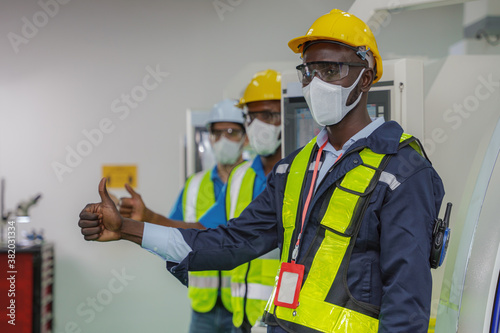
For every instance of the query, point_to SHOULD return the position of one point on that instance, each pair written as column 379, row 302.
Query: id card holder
column 289, row 283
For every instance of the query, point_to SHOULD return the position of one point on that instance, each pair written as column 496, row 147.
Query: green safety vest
column 204, row 286
column 317, row 312
column 251, row 283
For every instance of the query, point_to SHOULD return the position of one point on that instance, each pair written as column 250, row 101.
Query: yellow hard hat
column 344, row 28
column 265, row 86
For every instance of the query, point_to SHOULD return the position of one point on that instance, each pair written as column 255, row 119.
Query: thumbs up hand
column 101, row 221
column 134, row 206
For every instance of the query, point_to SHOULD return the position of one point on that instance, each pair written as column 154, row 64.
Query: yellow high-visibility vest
column 204, row 286
column 340, row 223
column 251, row 283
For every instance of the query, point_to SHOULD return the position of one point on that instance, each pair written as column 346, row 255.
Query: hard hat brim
column 297, row 44
column 243, row 102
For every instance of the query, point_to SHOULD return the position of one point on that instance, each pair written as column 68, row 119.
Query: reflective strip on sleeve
column 281, row 168
column 390, row 180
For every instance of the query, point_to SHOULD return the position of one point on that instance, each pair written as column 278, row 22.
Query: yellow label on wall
column 119, row 175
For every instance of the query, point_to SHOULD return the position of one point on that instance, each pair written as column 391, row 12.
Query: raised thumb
column 103, row 192
column 131, row 191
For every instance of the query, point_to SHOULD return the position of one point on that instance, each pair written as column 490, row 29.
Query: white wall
column 64, row 78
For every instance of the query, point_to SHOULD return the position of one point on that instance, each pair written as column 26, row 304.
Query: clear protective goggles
column 230, row 133
column 327, row 71
column 267, row 116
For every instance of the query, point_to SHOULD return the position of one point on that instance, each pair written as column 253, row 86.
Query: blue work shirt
column 177, row 212
column 216, row 215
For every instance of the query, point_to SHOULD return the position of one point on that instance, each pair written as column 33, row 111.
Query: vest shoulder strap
column 190, row 195
column 410, row 140
column 234, row 184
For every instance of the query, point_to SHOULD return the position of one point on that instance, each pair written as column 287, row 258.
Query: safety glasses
column 327, row 71
column 230, row 133
column 266, row 116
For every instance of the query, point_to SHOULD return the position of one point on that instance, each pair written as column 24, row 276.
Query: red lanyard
column 308, row 200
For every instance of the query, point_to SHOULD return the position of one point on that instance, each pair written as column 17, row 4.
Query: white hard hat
column 226, row 111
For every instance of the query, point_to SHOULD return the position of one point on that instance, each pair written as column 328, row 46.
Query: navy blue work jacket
column 389, row 265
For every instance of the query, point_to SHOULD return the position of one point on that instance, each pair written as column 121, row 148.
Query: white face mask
column 327, row 101
column 264, row 138
column 226, row 151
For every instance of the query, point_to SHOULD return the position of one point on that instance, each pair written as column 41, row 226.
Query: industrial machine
column 462, row 127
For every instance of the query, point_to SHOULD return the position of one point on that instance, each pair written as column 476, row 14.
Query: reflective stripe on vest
column 251, row 283
column 251, row 290
column 203, row 290
column 198, row 196
column 325, row 304
column 237, row 200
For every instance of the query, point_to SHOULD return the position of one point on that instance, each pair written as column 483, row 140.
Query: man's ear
column 367, row 79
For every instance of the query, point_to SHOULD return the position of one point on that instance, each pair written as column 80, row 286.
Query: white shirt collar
column 364, row 133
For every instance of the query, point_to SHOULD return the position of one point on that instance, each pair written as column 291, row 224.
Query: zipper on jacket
column 246, row 294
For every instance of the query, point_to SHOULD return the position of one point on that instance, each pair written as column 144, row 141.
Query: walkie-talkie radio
column 440, row 238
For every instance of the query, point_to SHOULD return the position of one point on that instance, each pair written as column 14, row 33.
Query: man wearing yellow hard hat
column 252, row 282
column 352, row 212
